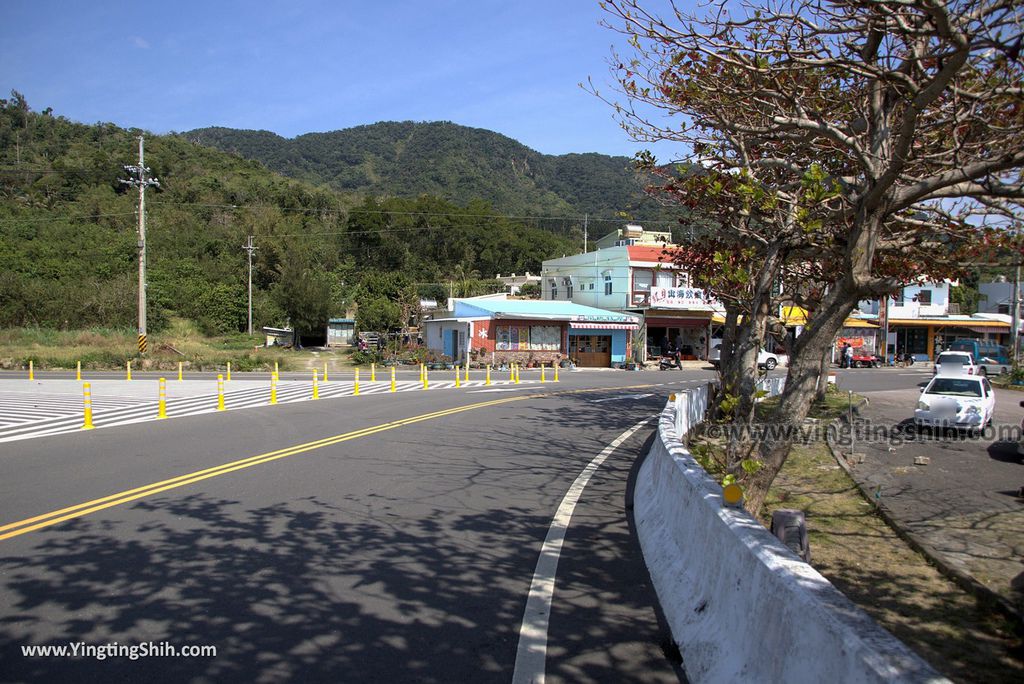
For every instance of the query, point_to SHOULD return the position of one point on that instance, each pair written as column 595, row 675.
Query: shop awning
column 794, row 315
column 601, row 326
column 668, row 322
column 989, row 326
column 849, row 323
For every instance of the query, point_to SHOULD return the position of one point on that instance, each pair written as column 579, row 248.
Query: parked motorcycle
column 670, row 362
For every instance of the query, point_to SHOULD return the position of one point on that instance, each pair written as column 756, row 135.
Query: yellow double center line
column 38, row 522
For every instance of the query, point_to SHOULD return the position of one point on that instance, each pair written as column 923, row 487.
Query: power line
column 356, row 211
column 66, row 218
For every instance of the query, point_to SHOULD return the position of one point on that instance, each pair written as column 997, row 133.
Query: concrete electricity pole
column 250, row 248
column 140, row 181
column 1015, row 316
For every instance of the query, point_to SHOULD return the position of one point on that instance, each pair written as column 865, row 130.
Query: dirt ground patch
column 858, row 552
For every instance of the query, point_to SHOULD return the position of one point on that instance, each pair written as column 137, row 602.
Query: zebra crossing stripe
column 18, row 421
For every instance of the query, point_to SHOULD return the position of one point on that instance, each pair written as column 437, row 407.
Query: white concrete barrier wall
column 741, row 606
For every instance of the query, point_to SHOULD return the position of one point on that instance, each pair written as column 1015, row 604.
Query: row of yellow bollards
column 87, row 423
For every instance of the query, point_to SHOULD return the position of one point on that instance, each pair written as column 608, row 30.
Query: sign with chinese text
column 680, row 298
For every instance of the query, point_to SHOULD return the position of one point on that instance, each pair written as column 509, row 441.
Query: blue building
column 499, row 330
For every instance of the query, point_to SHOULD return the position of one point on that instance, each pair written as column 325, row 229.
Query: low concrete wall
column 741, row 606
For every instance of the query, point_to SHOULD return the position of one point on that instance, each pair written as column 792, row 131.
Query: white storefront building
column 637, row 279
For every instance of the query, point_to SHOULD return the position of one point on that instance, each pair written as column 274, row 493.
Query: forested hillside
column 457, row 163
column 68, row 254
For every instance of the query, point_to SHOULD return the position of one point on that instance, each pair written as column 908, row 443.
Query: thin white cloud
column 140, row 43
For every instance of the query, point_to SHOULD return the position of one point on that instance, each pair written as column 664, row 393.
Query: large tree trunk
column 826, row 363
column 805, row 370
column 743, row 371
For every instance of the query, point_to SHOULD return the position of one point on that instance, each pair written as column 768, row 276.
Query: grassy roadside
column 181, row 342
column 860, row 554
column 863, row 557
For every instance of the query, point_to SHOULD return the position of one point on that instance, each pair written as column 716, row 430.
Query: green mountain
column 456, row 163
column 68, row 240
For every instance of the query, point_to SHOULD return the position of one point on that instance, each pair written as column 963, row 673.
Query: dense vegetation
column 68, row 256
column 457, row 163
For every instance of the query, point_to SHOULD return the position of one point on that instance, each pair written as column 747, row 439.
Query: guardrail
column 742, row 606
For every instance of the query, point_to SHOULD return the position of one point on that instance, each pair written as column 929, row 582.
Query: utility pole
column 250, row 248
column 1015, row 299
column 140, row 181
column 586, row 217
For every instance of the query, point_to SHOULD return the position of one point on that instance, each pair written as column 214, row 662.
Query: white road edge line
column 531, row 654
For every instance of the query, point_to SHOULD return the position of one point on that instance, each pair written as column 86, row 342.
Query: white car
column 1020, row 442
column 957, row 363
column 765, row 359
column 965, row 402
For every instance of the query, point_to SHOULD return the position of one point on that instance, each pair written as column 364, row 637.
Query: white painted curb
column 742, row 606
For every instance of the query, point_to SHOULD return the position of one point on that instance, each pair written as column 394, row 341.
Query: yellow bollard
column 393, row 388
column 355, row 387
column 542, row 378
column 426, row 377
column 325, row 371
column 556, row 372
column 273, row 389
column 276, row 372
column 229, row 372
column 180, row 376
column 467, row 371
column 458, row 376
column 488, row 381
column 220, row 393
column 78, row 371
column 31, row 372
column 373, row 372
column 128, row 376
column 316, row 385
column 162, row 406
column 517, row 373
column 87, row 398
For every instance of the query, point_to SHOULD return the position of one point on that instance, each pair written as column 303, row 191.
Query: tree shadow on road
column 358, row 588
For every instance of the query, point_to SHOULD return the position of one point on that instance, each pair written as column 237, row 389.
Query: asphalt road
column 375, row 538
column 955, row 495
column 388, row 537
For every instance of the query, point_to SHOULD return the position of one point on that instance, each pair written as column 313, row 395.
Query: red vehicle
column 864, row 359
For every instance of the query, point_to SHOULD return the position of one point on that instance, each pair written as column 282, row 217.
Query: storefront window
column 528, row 338
column 912, row 341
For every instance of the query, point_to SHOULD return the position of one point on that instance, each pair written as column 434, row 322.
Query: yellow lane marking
column 38, row 522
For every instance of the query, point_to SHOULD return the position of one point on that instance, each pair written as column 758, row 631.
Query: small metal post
column 87, row 398
column 162, row 406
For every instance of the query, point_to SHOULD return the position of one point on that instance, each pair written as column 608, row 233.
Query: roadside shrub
column 363, row 358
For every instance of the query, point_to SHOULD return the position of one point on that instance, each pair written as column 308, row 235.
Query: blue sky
column 309, row 66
